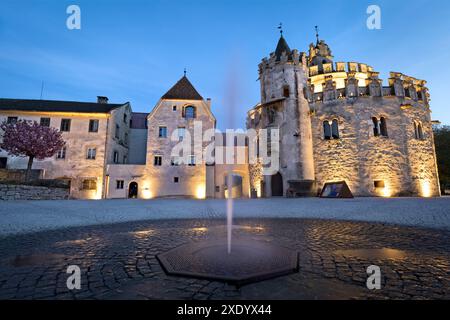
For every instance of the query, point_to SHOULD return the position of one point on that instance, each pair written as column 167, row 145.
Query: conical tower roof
column 282, row 46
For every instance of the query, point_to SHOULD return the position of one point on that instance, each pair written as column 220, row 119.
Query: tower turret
column 283, row 78
column 320, row 53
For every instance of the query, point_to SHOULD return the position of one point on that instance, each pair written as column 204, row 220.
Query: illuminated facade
column 336, row 122
column 339, row 123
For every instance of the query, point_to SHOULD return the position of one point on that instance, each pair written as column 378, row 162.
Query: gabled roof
column 182, row 90
column 57, row 106
column 282, row 46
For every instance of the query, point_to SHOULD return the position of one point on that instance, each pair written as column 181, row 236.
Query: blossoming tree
column 30, row 139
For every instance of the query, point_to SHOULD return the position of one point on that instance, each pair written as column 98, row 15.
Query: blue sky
column 136, row 50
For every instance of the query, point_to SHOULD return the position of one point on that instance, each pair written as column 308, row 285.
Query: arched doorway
column 236, row 186
column 277, row 185
column 133, row 190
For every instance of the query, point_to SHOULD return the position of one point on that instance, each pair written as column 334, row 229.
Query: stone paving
column 118, row 261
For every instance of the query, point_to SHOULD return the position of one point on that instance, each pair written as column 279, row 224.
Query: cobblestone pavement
column 118, row 261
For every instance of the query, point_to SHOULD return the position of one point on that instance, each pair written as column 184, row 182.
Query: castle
column 336, row 122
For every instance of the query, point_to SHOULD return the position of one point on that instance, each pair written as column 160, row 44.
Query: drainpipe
column 105, row 178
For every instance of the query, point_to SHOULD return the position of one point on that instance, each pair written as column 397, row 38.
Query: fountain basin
column 249, row 261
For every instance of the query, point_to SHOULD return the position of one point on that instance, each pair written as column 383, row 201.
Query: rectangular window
column 181, row 133
column 93, row 125
column 116, row 157
column 89, row 184
column 174, row 108
column 12, row 120
column 65, row 125
column 378, row 184
column 3, row 162
column 176, row 179
column 117, row 134
column 162, row 132
column 45, row 122
column 191, row 161
column 125, row 118
column 157, row 161
column 119, row 184
column 91, row 153
column 61, row 154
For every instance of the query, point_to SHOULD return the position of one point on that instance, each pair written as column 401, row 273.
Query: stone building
column 112, row 152
column 338, row 122
column 95, row 134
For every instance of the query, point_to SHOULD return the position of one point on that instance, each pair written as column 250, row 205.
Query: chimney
column 101, row 99
column 208, row 102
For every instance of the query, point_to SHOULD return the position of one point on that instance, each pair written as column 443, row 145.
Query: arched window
column 418, row 130
column 335, row 129
column 376, row 128
column 326, row 130
column 190, row 112
column 383, row 127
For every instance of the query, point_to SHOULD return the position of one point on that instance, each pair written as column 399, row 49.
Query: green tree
column 442, row 142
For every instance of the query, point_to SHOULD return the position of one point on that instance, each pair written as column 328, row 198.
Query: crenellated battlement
column 353, row 80
column 337, row 67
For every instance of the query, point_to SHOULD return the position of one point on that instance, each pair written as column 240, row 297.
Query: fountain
column 238, row 260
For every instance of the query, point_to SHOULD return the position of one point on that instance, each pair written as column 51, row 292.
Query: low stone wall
column 18, row 175
column 23, row 192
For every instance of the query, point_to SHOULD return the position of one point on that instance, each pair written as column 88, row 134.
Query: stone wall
column 23, row 192
column 405, row 164
column 18, row 175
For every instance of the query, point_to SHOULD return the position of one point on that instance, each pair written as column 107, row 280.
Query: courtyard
column 115, row 244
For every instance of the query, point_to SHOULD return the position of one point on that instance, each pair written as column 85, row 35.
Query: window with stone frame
column 12, row 120
column 91, row 153
column 379, row 184
column 157, row 161
column 383, row 127
column 89, row 184
column 45, row 122
column 286, row 91
column 335, row 129
column 162, row 132
column 117, row 132
column 418, row 130
column 189, row 112
column 65, row 125
column 93, row 125
column 116, row 157
column 380, row 127
column 61, row 154
column 326, row 130
column 120, row 184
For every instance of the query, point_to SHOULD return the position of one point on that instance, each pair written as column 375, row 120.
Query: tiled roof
column 56, row 106
column 183, row 89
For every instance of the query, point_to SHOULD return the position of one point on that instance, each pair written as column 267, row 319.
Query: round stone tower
column 283, row 78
